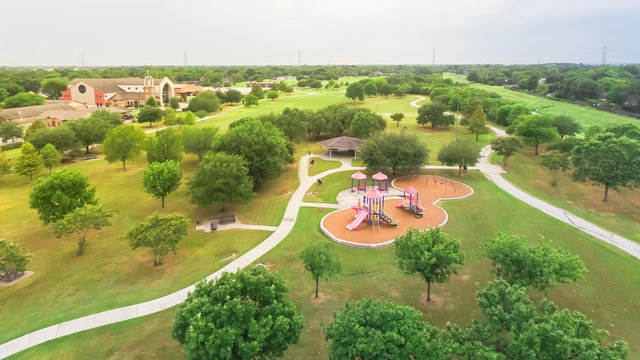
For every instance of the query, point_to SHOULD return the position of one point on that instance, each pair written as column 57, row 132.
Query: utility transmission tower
column 604, row 55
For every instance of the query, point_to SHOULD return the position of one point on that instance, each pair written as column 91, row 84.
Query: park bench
column 11, row 274
column 230, row 219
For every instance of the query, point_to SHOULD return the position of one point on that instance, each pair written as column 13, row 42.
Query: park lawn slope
column 619, row 215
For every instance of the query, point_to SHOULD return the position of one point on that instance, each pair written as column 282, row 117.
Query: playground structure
column 333, row 224
column 372, row 208
column 410, row 202
column 442, row 179
column 359, row 176
column 380, row 177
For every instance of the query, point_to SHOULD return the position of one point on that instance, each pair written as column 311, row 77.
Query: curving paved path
column 149, row 307
column 491, row 171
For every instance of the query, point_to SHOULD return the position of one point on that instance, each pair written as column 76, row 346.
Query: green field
column 609, row 286
column 586, row 116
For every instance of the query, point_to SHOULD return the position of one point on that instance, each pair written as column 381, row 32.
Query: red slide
column 358, row 219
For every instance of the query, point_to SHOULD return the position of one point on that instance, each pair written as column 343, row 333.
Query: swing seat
column 362, row 187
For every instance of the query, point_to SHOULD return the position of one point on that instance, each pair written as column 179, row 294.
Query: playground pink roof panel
column 410, row 190
column 359, row 176
column 379, row 176
column 373, row 194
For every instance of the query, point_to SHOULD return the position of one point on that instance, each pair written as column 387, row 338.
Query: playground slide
column 361, row 215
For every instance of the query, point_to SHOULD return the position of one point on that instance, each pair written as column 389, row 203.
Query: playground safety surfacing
column 431, row 189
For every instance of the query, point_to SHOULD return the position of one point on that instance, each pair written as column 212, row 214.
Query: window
column 82, row 89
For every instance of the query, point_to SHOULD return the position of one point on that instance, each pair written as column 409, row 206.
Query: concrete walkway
column 149, row 307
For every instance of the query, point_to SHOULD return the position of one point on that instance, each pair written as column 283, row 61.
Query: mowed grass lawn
column 585, row 115
column 607, row 294
column 110, row 274
column 621, row 214
column 320, row 165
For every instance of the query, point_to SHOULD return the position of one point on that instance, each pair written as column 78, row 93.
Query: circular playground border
column 389, row 242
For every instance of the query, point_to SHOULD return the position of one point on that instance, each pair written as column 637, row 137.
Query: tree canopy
column 555, row 160
column 461, row 153
column 161, row 233
column 23, row 99
column 198, row 141
column 166, row 145
column 206, row 100
column 260, row 144
column 246, row 315
column 10, row 131
column 397, row 152
column 250, row 100
column 60, row 194
column 11, row 256
column 397, row 117
column 50, row 157
column 62, row 137
column 321, row 260
column 53, row 88
column 221, row 178
column 532, row 264
column 355, row 91
column 82, row 220
column 92, row 130
column 123, row 143
column 506, row 146
column 366, row 123
column 150, row 114
column 29, row 162
column 608, row 160
column 162, row 178
column 372, row 329
column 432, row 254
column 566, row 126
column 434, row 114
column 477, row 123
column 536, row 129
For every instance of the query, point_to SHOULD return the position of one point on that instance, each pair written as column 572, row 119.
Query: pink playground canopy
column 410, row 190
column 359, row 176
column 379, row 176
column 373, row 194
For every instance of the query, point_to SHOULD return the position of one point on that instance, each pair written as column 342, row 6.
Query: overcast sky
column 245, row 32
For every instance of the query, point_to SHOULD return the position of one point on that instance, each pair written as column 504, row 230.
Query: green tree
column 150, row 114
column 188, row 119
column 23, row 99
column 151, row 101
column 198, row 141
column 206, row 100
column 513, row 327
column 565, row 126
column 402, row 90
column 539, row 265
column 434, row 114
column 321, row 260
column 161, row 232
column 293, row 123
column 370, row 89
column 256, row 90
column 478, row 122
column 90, row 131
column 10, row 131
column 397, row 117
column 123, row 143
column 355, row 91
column 364, row 124
column 174, row 103
column 461, row 153
column 221, row 178
column 262, row 145
column 246, row 315
column 372, row 329
column 170, row 118
column 82, row 220
column 608, row 160
column 35, row 126
column 162, row 178
column 536, row 129
column 11, row 256
column 386, row 89
column 53, row 88
column 233, row 96
column 166, row 145
column 432, row 254
column 50, row 156
column 62, row 137
column 272, row 94
column 29, row 162
column 506, row 146
column 250, row 100
column 555, row 160
column 5, row 165
column 112, row 118
column 397, row 152
column 60, row 194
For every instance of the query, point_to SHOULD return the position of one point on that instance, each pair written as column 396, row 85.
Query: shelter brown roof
column 342, row 143
column 36, row 110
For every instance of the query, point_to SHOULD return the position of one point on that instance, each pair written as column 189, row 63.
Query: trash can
column 214, row 226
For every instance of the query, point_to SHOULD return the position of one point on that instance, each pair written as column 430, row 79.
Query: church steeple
column 149, row 87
